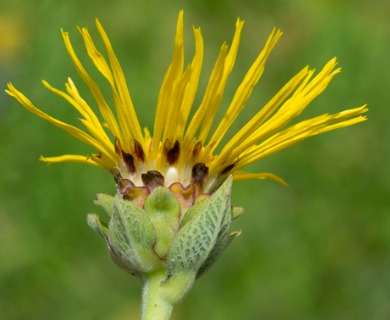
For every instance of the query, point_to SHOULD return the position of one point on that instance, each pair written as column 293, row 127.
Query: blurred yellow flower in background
column 12, row 36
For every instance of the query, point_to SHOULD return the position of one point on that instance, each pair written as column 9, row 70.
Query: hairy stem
column 155, row 306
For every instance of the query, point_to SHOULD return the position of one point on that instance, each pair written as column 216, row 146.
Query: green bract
column 158, row 237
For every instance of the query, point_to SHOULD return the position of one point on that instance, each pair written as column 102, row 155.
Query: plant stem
column 155, row 306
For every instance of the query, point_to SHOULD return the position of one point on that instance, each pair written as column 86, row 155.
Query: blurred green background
column 319, row 249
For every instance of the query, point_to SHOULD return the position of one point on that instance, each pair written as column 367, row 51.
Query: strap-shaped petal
column 105, row 110
column 292, row 107
column 125, row 109
column 91, row 122
column 192, row 86
column 301, row 131
column 245, row 89
column 164, row 108
column 75, row 132
column 241, row 175
column 210, row 100
column 217, row 94
column 240, row 141
column 92, row 160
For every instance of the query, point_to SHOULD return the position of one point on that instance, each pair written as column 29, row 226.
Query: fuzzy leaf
column 208, row 226
column 236, row 212
column 131, row 237
column 96, row 224
column 105, row 201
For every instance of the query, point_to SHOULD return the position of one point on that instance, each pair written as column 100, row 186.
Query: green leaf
column 105, row 201
column 236, row 212
column 219, row 248
column 131, row 237
column 96, row 224
column 203, row 234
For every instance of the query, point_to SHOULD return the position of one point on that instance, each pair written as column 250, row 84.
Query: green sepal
column 216, row 253
column 202, row 234
column 234, row 235
column 236, row 212
column 96, row 224
column 193, row 211
column 163, row 210
column 223, row 240
column 105, row 201
column 131, row 238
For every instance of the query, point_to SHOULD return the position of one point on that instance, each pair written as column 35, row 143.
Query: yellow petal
column 212, row 104
column 241, row 138
column 210, row 100
column 125, row 109
column 94, row 161
column 192, row 86
column 97, row 94
column 241, row 175
column 299, row 132
column 245, row 89
column 77, row 133
column 164, row 108
column 291, row 108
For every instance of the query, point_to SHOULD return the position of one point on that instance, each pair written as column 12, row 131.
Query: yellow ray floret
column 182, row 147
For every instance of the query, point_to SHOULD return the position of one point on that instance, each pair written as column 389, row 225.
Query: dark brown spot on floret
column 199, row 173
column 128, row 159
column 173, row 152
column 124, row 185
column 152, row 179
column 117, row 146
column 196, row 150
column 139, row 152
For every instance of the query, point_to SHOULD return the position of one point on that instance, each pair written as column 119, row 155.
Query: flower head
column 182, row 151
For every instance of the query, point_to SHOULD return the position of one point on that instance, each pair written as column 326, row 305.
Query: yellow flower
column 181, row 153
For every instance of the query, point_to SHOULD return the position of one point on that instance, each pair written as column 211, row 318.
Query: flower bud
column 161, row 236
